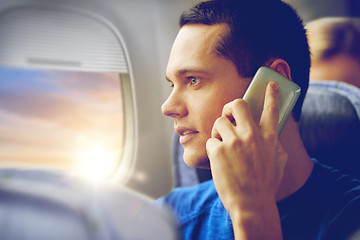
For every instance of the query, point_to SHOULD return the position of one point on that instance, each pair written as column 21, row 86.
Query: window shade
column 59, row 38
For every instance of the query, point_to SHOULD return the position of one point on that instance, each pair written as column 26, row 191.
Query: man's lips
column 186, row 134
column 184, row 131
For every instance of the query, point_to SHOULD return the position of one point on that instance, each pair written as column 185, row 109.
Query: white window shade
column 59, row 38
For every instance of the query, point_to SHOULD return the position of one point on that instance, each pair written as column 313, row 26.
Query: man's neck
column 299, row 165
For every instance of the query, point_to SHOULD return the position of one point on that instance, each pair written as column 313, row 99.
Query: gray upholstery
column 329, row 126
column 47, row 204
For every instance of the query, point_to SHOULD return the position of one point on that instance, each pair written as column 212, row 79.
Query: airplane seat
column 329, row 127
column 49, row 204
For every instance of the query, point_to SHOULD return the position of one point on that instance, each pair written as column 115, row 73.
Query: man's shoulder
column 191, row 202
column 199, row 212
column 342, row 195
column 328, row 204
column 190, row 197
column 335, row 182
column 329, row 187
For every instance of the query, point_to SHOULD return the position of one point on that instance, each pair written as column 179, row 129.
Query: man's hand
column 247, row 163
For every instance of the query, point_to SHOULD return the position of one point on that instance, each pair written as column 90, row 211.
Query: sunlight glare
column 96, row 162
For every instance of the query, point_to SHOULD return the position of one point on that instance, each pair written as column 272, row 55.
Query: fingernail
column 274, row 86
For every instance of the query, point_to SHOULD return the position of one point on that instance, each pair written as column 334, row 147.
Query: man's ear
column 281, row 66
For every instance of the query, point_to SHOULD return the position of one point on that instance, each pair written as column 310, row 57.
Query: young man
column 264, row 186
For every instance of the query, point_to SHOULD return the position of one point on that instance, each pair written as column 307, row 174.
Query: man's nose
column 174, row 106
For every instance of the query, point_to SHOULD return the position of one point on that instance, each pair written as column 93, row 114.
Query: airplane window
column 64, row 119
column 65, row 92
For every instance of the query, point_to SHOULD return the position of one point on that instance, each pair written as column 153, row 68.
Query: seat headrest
column 47, row 204
column 330, row 125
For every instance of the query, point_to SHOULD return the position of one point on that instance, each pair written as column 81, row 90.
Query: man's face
column 203, row 82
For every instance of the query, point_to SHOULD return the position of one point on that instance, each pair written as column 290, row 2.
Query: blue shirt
column 326, row 207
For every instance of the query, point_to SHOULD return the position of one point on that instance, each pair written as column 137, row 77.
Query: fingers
column 211, row 143
column 222, row 127
column 225, row 125
column 238, row 113
column 270, row 115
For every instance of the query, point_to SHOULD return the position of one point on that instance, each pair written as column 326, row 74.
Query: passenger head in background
column 335, row 49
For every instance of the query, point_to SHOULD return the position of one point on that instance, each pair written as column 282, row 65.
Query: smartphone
column 255, row 94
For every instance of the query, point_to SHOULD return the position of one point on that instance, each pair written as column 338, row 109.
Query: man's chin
column 197, row 161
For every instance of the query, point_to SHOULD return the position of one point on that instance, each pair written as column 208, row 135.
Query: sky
column 57, row 118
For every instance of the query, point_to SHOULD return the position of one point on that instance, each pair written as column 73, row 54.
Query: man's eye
column 194, row 80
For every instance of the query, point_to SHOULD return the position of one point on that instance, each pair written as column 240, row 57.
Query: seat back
column 53, row 205
column 329, row 127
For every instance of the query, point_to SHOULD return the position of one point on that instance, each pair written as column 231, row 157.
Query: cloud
column 60, row 109
column 46, row 115
column 102, row 87
column 28, row 141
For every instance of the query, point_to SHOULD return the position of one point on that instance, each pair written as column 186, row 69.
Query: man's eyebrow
column 188, row 71
column 191, row 71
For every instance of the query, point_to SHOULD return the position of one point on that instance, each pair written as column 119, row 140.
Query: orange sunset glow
column 62, row 119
